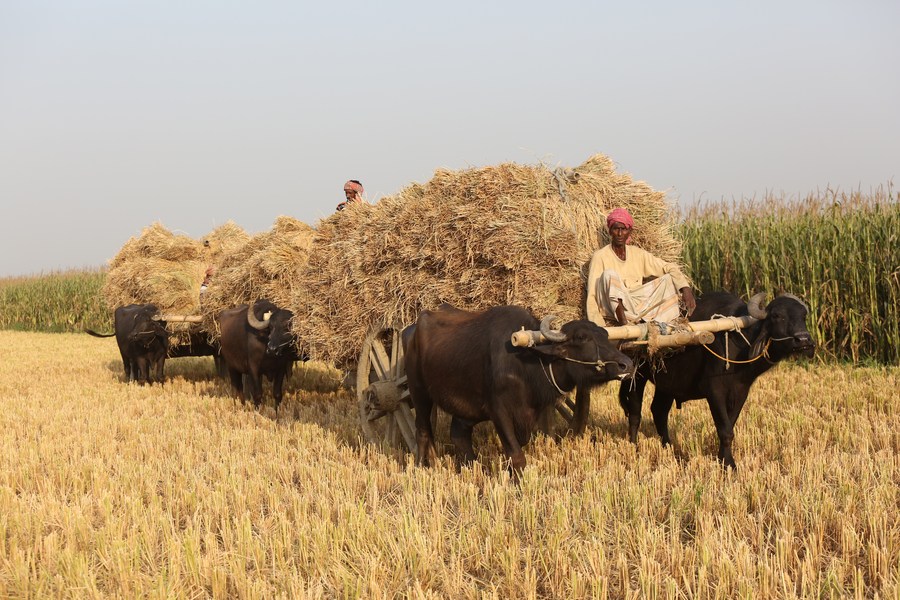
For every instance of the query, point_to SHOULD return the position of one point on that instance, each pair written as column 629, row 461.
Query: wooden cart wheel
column 382, row 394
column 547, row 421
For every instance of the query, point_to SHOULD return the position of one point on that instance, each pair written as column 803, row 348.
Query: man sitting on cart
column 627, row 284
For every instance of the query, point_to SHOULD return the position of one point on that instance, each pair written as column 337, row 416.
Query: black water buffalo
column 257, row 342
column 466, row 364
column 702, row 372
column 143, row 341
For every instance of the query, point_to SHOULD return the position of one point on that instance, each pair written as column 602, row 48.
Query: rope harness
column 551, row 378
column 729, row 361
column 763, row 354
column 598, row 364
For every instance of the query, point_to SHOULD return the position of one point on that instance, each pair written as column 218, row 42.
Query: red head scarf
column 619, row 215
column 352, row 186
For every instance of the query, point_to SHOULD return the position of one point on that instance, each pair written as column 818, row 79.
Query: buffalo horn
column 793, row 297
column 755, row 306
column 553, row 335
column 256, row 323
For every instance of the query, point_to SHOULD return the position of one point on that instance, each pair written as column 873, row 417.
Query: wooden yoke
column 672, row 340
column 643, row 335
column 181, row 318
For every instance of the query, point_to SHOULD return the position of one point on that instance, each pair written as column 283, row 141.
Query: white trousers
column 656, row 300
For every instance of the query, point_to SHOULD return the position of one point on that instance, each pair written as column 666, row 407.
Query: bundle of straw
column 266, row 265
column 157, row 267
column 506, row 234
column 165, row 269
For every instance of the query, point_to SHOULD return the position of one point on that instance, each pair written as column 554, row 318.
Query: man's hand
column 690, row 303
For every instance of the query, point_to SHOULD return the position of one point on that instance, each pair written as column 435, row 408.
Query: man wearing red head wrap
column 353, row 191
column 627, row 284
column 619, row 215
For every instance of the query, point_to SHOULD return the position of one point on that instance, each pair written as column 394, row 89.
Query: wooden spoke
column 385, row 412
column 565, row 412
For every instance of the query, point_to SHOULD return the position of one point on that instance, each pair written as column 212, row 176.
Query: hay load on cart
column 167, row 269
column 506, row 234
column 267, row 265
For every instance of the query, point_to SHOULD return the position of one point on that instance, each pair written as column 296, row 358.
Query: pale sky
column 118, row 114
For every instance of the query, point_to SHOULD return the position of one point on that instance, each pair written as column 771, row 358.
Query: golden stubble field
column 115, row 490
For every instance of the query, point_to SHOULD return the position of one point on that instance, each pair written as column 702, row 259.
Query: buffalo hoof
column 728, row 464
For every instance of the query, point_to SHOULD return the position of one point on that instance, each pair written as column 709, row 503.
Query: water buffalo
column 143, row 341
column 257, row 342
column 724, row 371
column 465, row 363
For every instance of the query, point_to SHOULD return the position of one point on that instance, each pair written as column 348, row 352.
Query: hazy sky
column 117, row 114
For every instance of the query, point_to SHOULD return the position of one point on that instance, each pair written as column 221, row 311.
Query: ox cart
column 385, row 407
column 190, row 339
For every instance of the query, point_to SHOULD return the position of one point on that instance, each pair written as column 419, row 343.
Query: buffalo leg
column 221, row 366
column 278, row 388
column 631, row 398
column 143, row 370
column 130, row 370
column 424, row 405
column 735, row 403
column 660, row 408
column 256, row 383
column 237, row 383
column 461, row 436
column 725, row 430
column 255, row 380
column 582, row 410
column 160, row 370
column 546, row 421
column 506, row 429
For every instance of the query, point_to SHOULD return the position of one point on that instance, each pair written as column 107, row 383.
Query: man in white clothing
column 627, row 284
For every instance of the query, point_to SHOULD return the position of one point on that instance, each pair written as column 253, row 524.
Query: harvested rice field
column 110, row 489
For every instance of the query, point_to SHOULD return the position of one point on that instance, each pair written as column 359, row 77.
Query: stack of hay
column 508, row 234
column 265, row 266
column 222, row 242
column 165, row 269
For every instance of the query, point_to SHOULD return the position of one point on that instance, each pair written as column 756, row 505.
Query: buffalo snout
column 619, row 367
column 804, row 344
column 276, row 349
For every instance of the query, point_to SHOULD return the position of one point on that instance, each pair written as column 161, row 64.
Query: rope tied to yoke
column 729, row 362
column 764, row 353
column 552, row 378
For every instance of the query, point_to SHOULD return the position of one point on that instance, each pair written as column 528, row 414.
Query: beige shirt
column 637, row 265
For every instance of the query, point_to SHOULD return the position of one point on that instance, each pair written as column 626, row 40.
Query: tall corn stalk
column 838, row 251
column 61, row 301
